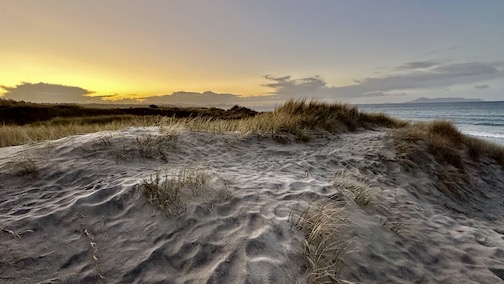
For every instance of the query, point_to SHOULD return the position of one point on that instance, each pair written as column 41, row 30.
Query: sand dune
column 72, row 211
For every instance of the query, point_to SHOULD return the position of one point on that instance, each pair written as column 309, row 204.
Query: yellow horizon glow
column 103, row 80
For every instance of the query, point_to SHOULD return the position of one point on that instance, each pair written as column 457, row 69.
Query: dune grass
column 453, row 152
column 26, row 167
column 447, row 143
column 297, row 117
column 150, row 146
column 166, row 192
column 323, row 225
column 12, row 135
column 358, row 191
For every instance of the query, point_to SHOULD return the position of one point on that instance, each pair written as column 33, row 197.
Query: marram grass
column 297, row 117
column 300, row 118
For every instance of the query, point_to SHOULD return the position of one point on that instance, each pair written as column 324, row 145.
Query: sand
column 71, row 211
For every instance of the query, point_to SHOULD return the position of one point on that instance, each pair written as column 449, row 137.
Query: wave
column 489, row 123
column 484, row 134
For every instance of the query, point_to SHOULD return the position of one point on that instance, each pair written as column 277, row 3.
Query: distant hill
column 424, row 100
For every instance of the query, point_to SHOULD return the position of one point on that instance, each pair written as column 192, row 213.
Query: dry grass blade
column 451, row 150
column 27, row 167
column 166, row 192
column 323, row 225
column 359, row 191
column 10, row 232
column 94, row 252
column 297, row 117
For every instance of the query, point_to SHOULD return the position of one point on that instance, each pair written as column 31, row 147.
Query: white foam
column 484, row 134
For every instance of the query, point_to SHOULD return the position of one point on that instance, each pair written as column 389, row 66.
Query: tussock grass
column 27, row 167
column 451, row 182
column 478, row 148
column 323, row 225
column 297, row 117
column 11, row 135
column 452, row 152
column 447, row 143
column 166, row 193
column 395, row 226
column 150, row 146
column 334, row 117
column 358, row 191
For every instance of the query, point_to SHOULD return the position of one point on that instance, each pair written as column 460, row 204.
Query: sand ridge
column 81, row 217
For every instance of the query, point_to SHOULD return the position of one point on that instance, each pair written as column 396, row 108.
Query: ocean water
column 480, row 119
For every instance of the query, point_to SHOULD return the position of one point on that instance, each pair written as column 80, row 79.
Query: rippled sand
column 71, row 211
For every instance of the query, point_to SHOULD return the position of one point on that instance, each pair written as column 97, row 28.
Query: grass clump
column 11, row 135
column 323, row 225
column 296, row 117
column 167, row 193
column 300, row 118
column 334, row 117
column 451, row 150
column 150, row 146
column 28, row 167
column 359, row 192
column 447, row 143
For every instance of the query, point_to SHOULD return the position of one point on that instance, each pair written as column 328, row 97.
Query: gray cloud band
column 421, row 75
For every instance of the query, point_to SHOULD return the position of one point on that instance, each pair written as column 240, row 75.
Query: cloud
column 437, row 51
column 418, row 65
column 423, row 75
column 293, row 88
column 47, row 93
column 481, row 86
column 193, row 98
column 316, row 87
column 207, row 98
column 407, row 78
column 55, row 93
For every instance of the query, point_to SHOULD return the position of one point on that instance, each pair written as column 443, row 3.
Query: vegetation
column 360, row 192
column 35, row 122
column 166, row 193
column 21, row 113
column 323, row 225
column 452, row 152
column 26, row 122
column 446, row 143
column 438, row 144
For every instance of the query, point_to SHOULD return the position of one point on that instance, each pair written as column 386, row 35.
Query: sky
column 252, row 53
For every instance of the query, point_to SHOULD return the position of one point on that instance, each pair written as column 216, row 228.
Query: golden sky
column 342, row 50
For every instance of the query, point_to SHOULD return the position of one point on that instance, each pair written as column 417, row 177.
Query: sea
column 484, row 120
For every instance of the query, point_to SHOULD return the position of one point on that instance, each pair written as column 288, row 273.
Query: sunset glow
column 348, row 51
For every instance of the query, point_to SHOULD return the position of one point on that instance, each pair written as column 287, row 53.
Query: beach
column 483, row 119
column 73, row 211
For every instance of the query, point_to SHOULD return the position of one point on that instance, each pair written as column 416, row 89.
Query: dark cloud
column 203, row 99
column 316, row 87
column 54, row 93
column 408, row 77
column 418, row 65
column 48, row 93
column 437, row 51
column 193, row 98
column 428, row 75
column 481, row 87
column 294, row 88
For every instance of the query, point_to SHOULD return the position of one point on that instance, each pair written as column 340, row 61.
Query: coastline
column 483, row 119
